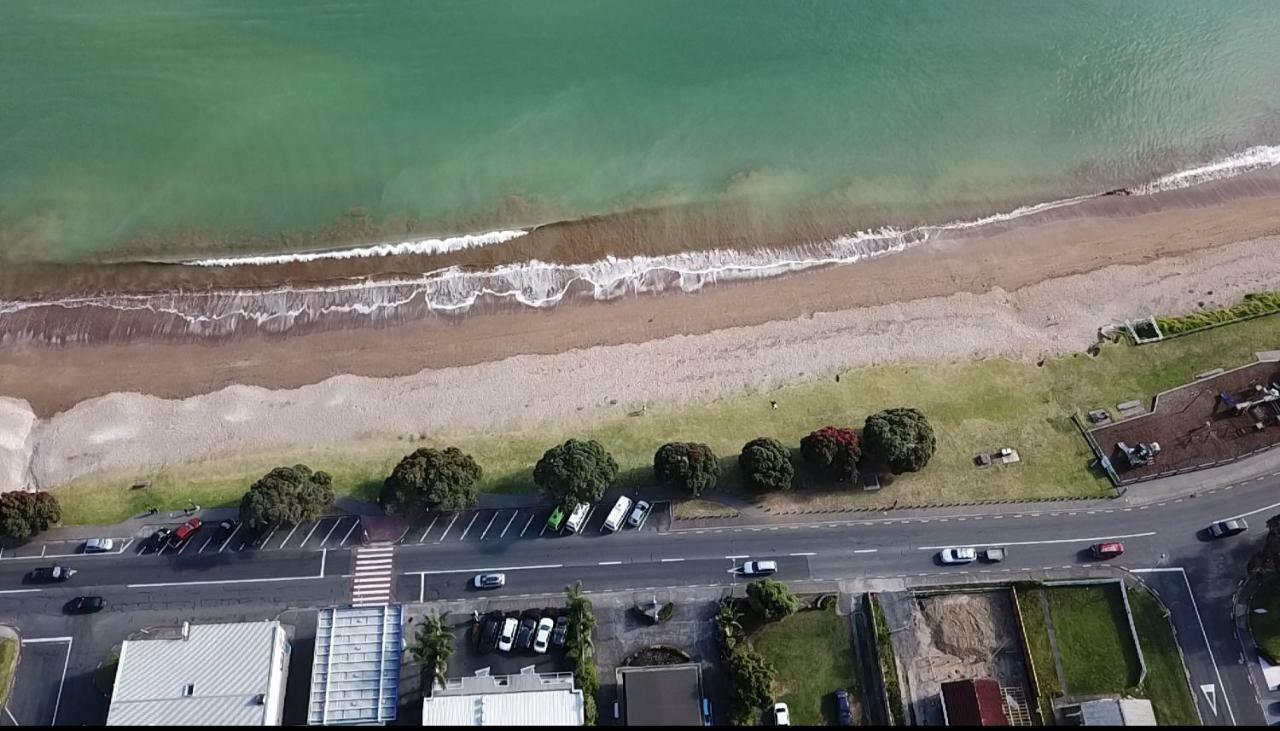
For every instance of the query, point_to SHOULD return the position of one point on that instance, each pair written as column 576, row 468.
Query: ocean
column 704, row 140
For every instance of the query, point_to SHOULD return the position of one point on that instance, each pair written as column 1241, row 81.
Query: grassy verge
column 812, row 652
column 1097, row 649
column 688, row 509
column 1032, row 602
column 974, row 406
column 1166, row 683
column 1266, row 627
column 8, row 662
column 888, row 663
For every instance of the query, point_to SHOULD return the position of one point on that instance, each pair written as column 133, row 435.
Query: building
column 662, row 695
column 1110, row 712
column 527, row 699
column 976, row 702
column 205, row 675
column 355, row 671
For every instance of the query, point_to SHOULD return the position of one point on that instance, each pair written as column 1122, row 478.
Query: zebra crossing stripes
column 373, row 575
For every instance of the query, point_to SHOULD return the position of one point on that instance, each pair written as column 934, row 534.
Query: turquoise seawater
column 128, row 119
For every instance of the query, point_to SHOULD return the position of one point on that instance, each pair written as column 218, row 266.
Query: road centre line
column 481, row 571
column 802, row 553
column 732, row 558
column 219, row 582
column 1041, row 543
column 20, row 591
column 865, row 550
column 671, row 560
column 1254, row 512
column 38, row 640
column 608, row 563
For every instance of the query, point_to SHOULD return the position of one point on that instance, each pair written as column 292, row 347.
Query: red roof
column 974, row 703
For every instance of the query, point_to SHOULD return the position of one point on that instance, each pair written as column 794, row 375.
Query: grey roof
column 527, row 699
column 355, row 673
column 666, row 695
column 227, row 666
column 1117, row 712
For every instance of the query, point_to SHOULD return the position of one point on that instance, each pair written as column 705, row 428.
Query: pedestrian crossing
column 373, row 575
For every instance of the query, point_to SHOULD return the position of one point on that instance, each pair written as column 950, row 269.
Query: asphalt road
column 1164, row 543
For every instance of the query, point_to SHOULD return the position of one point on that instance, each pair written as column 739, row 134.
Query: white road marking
column 20, row 591
column 349, row 532
column 466, row 530
column 671, row 560
column 1043, row 543
column 308, row 536
column 218, row 582
column 487, row 527
column 286, row 538
column 528, row 523
column 332, row 528
column 10, row 715
column 185, row 545
column 448, row 528
column 865, row 550
column 803, row 553
column 429, row 527
column 1263, row 509
column 509, row 522
column 608, row 563
column 731, row 558
column 1205, row 635
column 486, row 570
column 422, row 588
column 206, row 545
column 267, row 540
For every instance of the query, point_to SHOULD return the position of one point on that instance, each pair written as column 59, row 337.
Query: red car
column 185, row 531
column 1107, row 550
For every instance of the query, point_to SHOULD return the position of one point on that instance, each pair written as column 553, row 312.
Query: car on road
column 99, row 545
column 542, row 637
column 843, row 711
column 524, row 636
column 490, row 581
column 781, row 714
column 561, row 631
column 86, row 605
column 993, row 555
column 490, row 630
column 957, row 555
column 639, row 513
column 184, row 532
column 50, row 574
column 1110, row 549
column 1224, row 528
column 507, row 639
column 759, row 568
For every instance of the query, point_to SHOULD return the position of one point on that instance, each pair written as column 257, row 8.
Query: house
column 205, row 675
column 662, row 695
column 527, row 699
column 976, row 702
column 355, row 670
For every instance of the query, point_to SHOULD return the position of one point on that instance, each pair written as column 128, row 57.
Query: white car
column 542, row 638
column 781, row 715
column 490, row 581
column 638, row 514
column 957, row 555
column 99, row 545
column 759, row 568
column 508, row 637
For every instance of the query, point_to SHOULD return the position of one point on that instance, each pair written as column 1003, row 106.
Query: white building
column 527, row 699
column 355, row 671
column 209, row 675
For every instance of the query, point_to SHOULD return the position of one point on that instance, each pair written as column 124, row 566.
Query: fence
column 1128, row 613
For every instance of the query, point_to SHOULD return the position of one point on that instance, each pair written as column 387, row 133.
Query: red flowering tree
column 833, row 452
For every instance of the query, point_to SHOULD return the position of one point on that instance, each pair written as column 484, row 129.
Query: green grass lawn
column 8, row 661
column 974, row 406
column 1266, row 627
column 888, row 662
column 1032, row 602
column 812, row 652
column 1166, row 683
column 1093, row 636
column 704, row 509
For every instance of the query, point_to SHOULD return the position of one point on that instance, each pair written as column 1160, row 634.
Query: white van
column 618, row 514
column 574, row 523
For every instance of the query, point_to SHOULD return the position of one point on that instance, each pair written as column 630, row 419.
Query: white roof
column 355, row 672
column 226, row 666
column 528, row 699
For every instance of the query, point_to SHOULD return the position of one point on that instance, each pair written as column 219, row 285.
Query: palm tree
column 582, row 620
column 431, row 648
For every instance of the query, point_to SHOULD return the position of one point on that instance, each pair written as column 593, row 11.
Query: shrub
column 575, row 472
column 431, row 479
column 750, row 683
column 1267, row 559
column 287, row 496
column 833, row 452
column 689, row 466
column 899, row 440
column 1253, row 305
column 24, row 514
column 766, row 465
column 771, row 600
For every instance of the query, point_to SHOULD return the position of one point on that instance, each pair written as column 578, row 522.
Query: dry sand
column 134, row 432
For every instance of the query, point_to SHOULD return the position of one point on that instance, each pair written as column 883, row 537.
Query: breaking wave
column 425, row 246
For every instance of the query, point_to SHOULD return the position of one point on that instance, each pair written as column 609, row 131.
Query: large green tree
column 575, row 472
column 771, row 600
column 750, row 683
column 689, row 466
column 1267, row 560
column 766, row 465
column 24, row 514
column 898, row 440
column 287, row 496
column 432, row 647
column 833, row 452
column 431, row 479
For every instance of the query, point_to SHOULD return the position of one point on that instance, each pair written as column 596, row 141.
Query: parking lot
column 467, row 658
column 514, row 524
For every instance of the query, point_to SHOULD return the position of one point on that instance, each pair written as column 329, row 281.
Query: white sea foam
column 425, row 246
column 1254, row 158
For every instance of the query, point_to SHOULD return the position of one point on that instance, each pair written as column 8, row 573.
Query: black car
column 842, row 708
column 561, row 632
column 490, row 629
column 524, row 636
column 159, row 538
column 228, row 526
column 49, row 575
column 86, row 605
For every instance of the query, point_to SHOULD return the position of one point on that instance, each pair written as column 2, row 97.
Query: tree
column 899, row 440
column 771, row 600
column 1267, row 559
column 287, row 496
column 833, row 452
column 580, row 647
column 432, row 647
column 750, row 683
column 575, row 472
column 431, row 479
column 24, row 514
column 729, row 621
column 689, row 466
column 766, row 465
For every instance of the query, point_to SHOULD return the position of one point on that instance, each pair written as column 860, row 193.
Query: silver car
column 99, row 545
column 957, row 555
column 1224, row 528
column 490, row 581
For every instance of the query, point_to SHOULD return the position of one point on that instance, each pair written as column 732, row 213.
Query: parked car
column 1110, row 549
column 707, row 720
column 524, row 636
column 184, row 532
column 639, row 513
column 1224, row 528
column 577, row 517
column 781, row 714
column 843, row 711
column 159, row 538
column 227, row 527
column 507, row 639
column 86, row 605
column 561, row 632
column 556, row 520
column 957, row 555
column 542, row 637
column 99, row 545
column 490, row 581
column 617, row 514
column 490, row 631
column 50, row 574
column 759, row 568
column 993, row 555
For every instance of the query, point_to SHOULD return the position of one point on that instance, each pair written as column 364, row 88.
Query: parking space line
column 487, row 527
column 529, row 523
column 267, row 540
column 185, row 544
column 509, row 522
column 206, row 545
column 308, row 536
column 544, row 530
column 434, row 518
column 332, row 528
column 468, row 528
column 349, row 532
column 286, row 538
column 447, row 528
column 163, row 548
